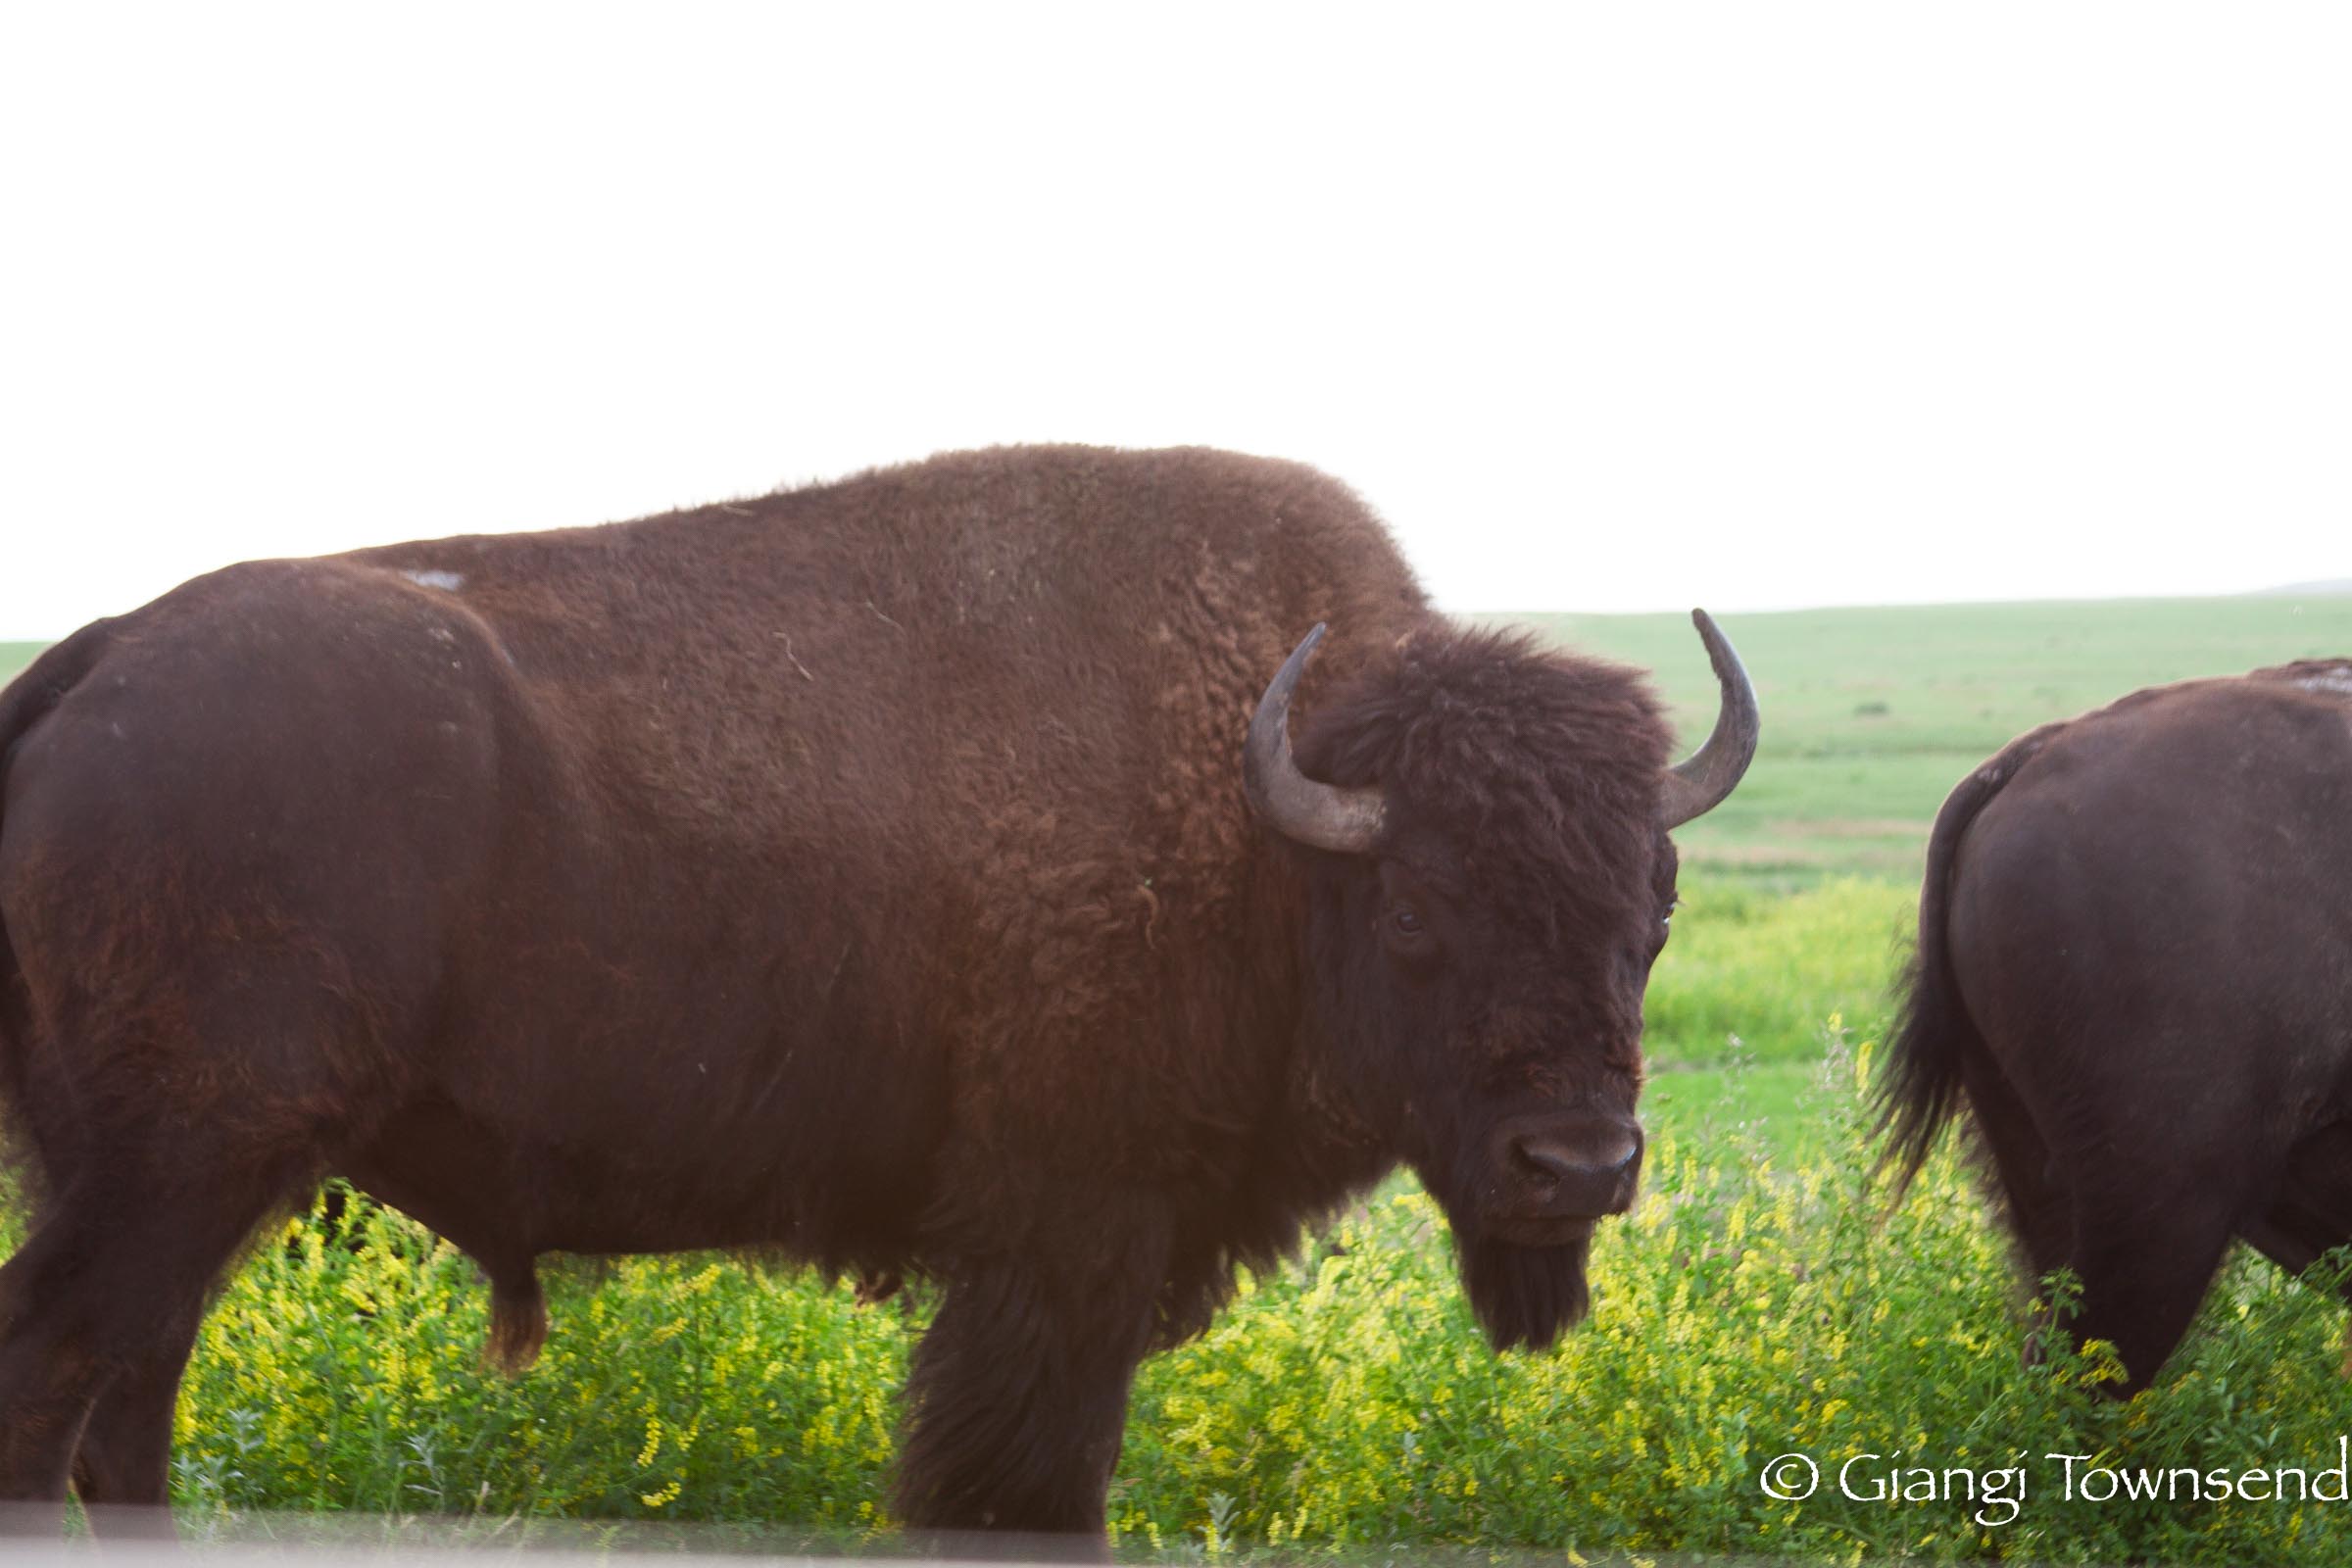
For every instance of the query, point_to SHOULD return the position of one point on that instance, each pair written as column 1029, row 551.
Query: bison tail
column 1918, row 1090
column 23, row 703
column 38, row 688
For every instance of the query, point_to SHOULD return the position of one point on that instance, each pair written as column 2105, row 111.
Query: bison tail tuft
column 1918, row 1090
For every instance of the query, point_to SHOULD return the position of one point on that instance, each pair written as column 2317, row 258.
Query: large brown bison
column 2135, row 971
column 889, row 873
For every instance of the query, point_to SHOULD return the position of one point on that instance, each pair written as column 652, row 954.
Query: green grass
column 1767, row 970
column 1738, row 1002
column 1872, row 716
column 1767, row 1104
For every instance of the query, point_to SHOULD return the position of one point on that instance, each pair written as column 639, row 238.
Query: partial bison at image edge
column 908, row 874
column 2135, row 977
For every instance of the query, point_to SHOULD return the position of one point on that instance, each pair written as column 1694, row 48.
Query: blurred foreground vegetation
column 1345, row 1403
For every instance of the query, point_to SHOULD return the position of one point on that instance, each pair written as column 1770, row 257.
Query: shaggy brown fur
column 860, row 871
column 2134, row 972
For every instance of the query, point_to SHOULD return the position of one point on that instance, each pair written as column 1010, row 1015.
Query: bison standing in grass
column 2136, row 973
column 890, row 873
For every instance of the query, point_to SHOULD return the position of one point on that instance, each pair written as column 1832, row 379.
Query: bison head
column 1489, row 882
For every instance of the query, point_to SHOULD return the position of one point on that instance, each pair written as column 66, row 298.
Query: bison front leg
column 1018, row 1395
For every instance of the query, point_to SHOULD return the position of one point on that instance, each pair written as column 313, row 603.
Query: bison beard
column 865, row 873
column 1525, row 1298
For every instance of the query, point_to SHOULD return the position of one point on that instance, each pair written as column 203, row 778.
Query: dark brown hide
column 2134, row 972
column 859, row 872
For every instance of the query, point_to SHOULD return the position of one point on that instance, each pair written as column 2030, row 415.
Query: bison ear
column 1699, row 784
column 1347, row 821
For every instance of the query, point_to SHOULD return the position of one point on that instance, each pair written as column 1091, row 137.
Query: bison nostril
column 1555, row 1160
column 1547, row 1159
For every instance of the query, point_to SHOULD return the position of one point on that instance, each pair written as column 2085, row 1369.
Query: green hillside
column 1872, row 716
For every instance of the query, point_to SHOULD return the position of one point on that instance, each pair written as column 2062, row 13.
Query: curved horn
column 1699, row 784
column 1293, row 804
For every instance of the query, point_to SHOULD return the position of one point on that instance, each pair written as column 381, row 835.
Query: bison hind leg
column 122, row 1470
column 2014, row 1165
column 2144, row 1237
column 2312, row 1215
column 99, row 1309
column 2146, row 1268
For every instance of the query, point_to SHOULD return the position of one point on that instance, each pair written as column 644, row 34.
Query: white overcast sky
column 1604, row 307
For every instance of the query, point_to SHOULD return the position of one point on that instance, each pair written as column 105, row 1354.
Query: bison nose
column 1584, row 1165
column 1553, row 1159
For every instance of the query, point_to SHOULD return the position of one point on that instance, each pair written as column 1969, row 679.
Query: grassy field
column 1871, row 716
column 1759, row 1302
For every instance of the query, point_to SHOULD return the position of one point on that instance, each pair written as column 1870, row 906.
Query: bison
column 2134, row 971
column 911, row 874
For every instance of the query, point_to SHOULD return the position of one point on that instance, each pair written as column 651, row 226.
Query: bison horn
column 1293, row 804
column 1699, row 784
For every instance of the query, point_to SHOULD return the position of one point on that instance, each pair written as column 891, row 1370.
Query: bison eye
column 1407, row 923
